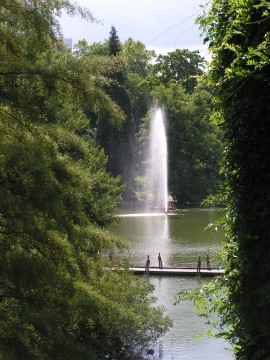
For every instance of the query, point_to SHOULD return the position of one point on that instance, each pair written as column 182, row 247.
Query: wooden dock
column 175, row 271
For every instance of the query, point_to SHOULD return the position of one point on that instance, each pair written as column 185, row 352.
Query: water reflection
column 180, row 238
column 180, row 341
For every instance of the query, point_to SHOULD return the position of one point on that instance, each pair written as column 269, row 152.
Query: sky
column 162, row 25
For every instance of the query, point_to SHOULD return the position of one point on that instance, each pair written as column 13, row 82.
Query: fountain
column 157, row 186
column 154, row 234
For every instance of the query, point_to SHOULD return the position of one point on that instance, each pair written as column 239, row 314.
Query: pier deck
column 176, row 271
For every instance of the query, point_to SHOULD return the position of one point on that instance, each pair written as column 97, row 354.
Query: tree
column 138, row 64
column 81, row 48
column 117, row 139
column 58, row 300
column 114, row 42
column 92, row 50
column 138, row 58
column 118, row 143
column 194, row 143
column 239, row 33
column 182, row 66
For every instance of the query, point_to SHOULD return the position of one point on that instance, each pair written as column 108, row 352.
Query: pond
column 180, row 238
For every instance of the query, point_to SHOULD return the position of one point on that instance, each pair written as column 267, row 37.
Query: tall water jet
column 158, row 162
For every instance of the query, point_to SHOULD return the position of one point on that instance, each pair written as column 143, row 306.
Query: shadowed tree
column 239, row 36
column 58, row 300
column 118, row 143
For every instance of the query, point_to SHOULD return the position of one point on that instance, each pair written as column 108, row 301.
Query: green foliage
column 181, row 66
column 94, row 49
column 114, row 42
column 116, row 138
column 218, row 199
column 238, row 32
column 194, row 143
column 83, row 48
column 118, row 143
column 137, row 57
column 59, row 296
column 138, row 65
column 193, row 138
column 210, row 301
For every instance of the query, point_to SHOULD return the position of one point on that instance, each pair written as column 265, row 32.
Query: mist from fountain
column 158, row 162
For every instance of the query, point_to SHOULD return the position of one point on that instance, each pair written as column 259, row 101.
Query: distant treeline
column 138, row 81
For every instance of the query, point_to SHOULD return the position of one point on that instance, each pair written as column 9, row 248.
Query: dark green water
column 180, row 238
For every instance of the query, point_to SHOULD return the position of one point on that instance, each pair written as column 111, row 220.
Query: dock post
column 198, row 274
column 146, row 271
column 160, row 261
column 208, row 262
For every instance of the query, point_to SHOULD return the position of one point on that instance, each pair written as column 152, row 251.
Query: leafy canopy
column 238, row 32
column 58, row 300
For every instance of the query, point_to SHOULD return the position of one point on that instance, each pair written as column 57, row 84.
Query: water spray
column 158, row 161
